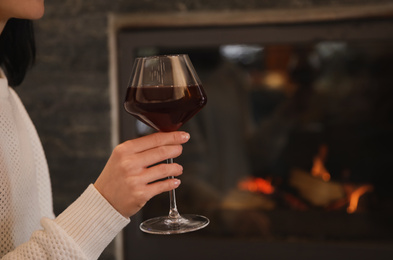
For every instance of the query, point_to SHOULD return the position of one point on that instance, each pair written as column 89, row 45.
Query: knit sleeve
column 82, row 231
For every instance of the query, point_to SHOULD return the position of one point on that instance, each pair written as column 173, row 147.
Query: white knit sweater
column 28, row 228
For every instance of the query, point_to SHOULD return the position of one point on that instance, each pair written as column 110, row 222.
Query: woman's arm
column 89, row 224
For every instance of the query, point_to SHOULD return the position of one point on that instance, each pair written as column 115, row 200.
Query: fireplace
column 291, row 156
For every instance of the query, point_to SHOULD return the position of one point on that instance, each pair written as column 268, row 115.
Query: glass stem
column 173, row 212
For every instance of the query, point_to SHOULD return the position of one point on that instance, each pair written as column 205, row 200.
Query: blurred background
column 67, row 94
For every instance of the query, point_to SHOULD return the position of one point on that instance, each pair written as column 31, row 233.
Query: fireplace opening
column 293, row 150
column 295, row 142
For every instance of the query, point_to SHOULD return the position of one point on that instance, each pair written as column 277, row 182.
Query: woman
column 28, row 227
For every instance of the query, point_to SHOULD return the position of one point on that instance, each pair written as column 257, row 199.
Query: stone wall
column 67, row 94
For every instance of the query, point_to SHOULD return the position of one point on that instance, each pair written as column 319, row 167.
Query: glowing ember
column 256, row 185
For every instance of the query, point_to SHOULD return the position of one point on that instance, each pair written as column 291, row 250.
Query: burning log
column 246, row 200
column 315, row 190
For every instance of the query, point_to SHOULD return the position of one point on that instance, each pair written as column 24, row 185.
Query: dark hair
column 17, row 49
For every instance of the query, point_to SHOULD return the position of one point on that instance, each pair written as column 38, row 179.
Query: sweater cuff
column 92, row 222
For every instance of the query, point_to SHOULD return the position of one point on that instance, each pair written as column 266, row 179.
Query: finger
column 161, row 171
column 162, row 186
column 156, row 155
column 155, row 140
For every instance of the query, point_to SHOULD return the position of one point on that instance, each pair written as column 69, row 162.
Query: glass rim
column 162, row 56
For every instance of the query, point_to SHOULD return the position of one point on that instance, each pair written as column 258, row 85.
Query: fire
column 256, row 185
column 334, row 196
column 355, row 195
column 318, row 169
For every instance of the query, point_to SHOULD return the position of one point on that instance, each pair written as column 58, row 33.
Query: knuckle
column 164, row 168
column 178, row 151
column 162, row 187
column 175, row 137
column 161, row 138
column 157, row 138
column 143, row 197
column 163, row 151
column 119, row 150
column 123, row 166
column 167, row 170
column 169, row 186
column 170, row 151
column 139, row 196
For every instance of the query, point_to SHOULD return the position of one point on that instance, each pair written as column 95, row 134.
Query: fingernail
column 176, row 182
column 186, row 136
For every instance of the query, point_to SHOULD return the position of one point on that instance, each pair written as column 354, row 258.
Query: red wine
column 165, row 108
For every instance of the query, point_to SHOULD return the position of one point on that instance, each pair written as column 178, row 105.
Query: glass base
column 166, row 225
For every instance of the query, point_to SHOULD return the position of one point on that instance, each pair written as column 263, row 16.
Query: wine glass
column 164, row 92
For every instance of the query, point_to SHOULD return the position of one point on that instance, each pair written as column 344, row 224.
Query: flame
column 256, row 185
column 318, row 169
column 355, row 195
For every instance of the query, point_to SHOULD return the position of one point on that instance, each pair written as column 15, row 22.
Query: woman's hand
column 126, row 181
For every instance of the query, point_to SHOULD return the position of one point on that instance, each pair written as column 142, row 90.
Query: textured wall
column 67, row 93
